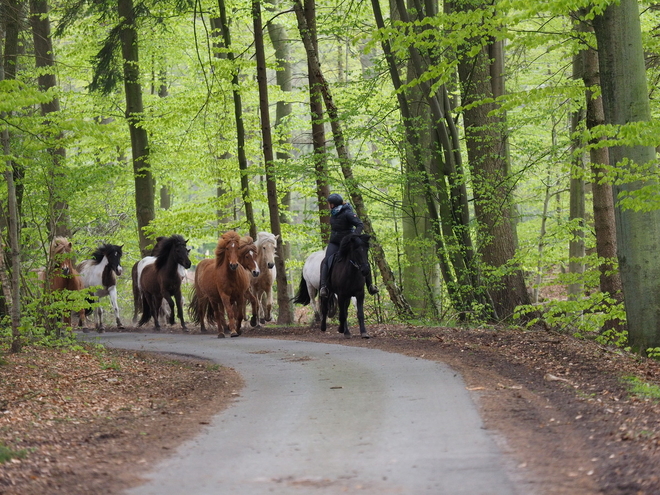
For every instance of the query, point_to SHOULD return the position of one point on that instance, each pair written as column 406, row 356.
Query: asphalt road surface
column 326, row 419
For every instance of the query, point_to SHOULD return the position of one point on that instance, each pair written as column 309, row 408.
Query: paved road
column 327, row 419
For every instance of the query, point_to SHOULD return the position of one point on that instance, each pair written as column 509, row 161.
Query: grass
column 7, row 454
column 642, row 389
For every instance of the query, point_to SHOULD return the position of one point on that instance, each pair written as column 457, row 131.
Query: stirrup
column 373, row 290
column 323, row 292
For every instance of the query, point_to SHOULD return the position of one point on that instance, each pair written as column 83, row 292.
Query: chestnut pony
column 63, row 276
column 222, row 284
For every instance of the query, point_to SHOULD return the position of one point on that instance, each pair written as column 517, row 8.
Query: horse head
column 247, row 255
column 60, row 249
column 112, row 253
column 172, row 246
column 266, row 248
column 355, row 247
column 227, row 249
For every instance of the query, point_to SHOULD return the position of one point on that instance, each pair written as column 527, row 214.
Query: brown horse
column 64, row 277
column 222, row 284
column 161, row 280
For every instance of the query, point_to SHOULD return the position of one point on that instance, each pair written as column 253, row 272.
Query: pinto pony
column 63, row 275
column 346, row 279
column 161, row 279
column 222, row 284
column 101, row 272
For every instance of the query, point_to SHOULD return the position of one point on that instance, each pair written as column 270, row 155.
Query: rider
column 343, row 221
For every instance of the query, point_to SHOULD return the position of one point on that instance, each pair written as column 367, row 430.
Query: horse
column 161, row 279
column 137, row 297
column 222, row 284
column 346, row 279
column 310, row 284
column 262, row 286
column 102, row 271
column 64, row 277
column 136, row 272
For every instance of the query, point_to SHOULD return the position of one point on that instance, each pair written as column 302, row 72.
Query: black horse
column 346, row 279
column 161, row 280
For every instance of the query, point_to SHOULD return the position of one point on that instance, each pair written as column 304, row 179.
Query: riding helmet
column 335, row 199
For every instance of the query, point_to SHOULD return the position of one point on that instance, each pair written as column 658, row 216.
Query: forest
column 502, row 155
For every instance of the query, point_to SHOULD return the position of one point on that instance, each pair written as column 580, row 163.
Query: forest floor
column 573, row 416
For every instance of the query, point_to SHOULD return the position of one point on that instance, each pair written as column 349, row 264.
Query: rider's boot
column 370, row 285
column 323, row 291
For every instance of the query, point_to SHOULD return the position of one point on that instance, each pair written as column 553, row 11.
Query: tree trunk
column 144, row 184
column 318, row 127
column 603, row 200
column 402, row 306
column 59, row 222
column 576, row 249
column 486, row 140
column 625, row 99
column 285, row 309
column 284, row 75
column 12, row 9
column 240, row 127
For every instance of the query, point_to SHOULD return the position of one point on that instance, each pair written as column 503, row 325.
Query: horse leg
column 254, row 303
column 343, row 317
column 155, row 303
column 220, row 321
column 98, row 312
column 178, row 298
column 112, row 292
column 269, row 305
column 360, row 316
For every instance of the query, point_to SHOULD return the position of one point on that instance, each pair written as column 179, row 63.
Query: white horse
column 262, row 286
column 311, row 283
column 102, row 271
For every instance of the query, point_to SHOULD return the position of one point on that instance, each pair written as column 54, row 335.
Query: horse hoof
column 253, row 321
column 347, row 335
column 120, row 326
column 365, row 336
column 85, row 330
column 262, row 321
column 100, row 330
column 221, row 335
column 235, row 334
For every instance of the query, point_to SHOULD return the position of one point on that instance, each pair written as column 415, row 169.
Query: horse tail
column 302, row 296
column 193, row 308
column 146, row 312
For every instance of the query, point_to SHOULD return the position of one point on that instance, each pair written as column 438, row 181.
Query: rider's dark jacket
column 344, row 221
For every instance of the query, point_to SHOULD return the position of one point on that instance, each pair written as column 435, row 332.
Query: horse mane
column 264, row 237
column 246, row 241
column 60, row 245
column 102, row 251
column 165, row 246
column 221, row 248
column 345, row 245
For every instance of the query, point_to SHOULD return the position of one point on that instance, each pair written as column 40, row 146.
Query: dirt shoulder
column 91, row 421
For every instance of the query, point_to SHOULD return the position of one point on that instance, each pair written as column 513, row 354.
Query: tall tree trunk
column 318, row 127
column 625, row 100
column 486, row 140
column 279, row 39
column 603, row 199
column 576, row 249
column 12, row 13
column 59, row 222
column 144, row 184
column 285, row 312
column 240, row 127
column 402, row 306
